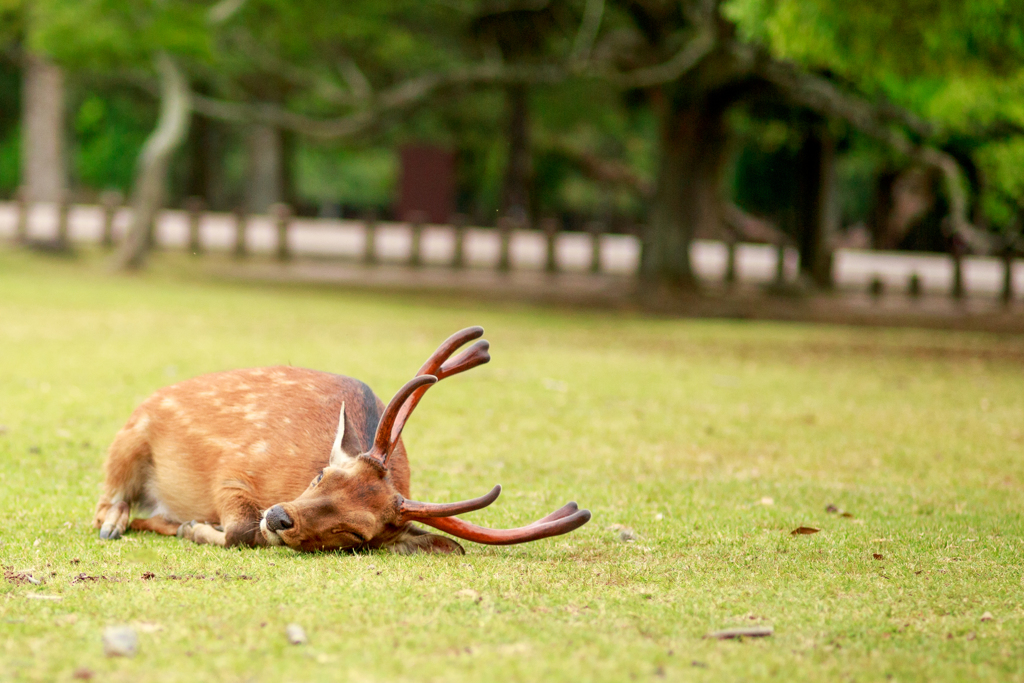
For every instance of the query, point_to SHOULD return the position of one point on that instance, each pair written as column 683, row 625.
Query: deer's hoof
column 185, row 530
column 109, row 532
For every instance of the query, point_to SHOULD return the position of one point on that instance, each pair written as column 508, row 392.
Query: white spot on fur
column 272, row 537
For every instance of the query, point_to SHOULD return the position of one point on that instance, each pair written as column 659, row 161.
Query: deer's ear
column 418, row 541
column 342, row 452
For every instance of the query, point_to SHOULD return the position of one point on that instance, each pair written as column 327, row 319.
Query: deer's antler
column 437, row 366
column 441, row 515
column 382, row 446
column 561, row 521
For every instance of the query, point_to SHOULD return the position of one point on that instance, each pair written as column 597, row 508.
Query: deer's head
column 353, row 503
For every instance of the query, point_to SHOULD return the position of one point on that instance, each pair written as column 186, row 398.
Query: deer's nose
column 278, row 519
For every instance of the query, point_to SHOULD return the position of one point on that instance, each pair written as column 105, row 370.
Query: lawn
column 708, row 442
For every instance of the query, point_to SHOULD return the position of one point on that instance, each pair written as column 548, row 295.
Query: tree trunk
column 44, row 169
column 151, row 171
column 206, row 143
column 265, row 174
column 816, row 206
column 516, row 193
column 687, row 192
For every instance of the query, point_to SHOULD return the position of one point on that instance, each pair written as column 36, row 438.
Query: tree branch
column 405, row 95
column 587, row 33
column 696, row 49
column 151, row 173
column 821, row 95
column 598, row 168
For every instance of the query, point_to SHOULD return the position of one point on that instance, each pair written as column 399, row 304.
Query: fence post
column 730, row 260
column 416, row 221
column 21, row 230
column 111, row 201
column 505, row 227
column 914, row 287
column 550, row 226
column 194, row 206
column 370, row 238
column 876, row 288
column 459, row 248
column 957, row 252
column 282, row 214
column 780, row 264
column 241, row 225
column 63, row 209
column 594, row 228
column 1007, row 294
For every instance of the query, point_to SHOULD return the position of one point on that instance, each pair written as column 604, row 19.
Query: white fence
column 853, row 269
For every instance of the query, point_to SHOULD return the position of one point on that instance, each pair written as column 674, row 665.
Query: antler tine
column 412, row 509
column 448, row 347
column 439, row 366
column 382, row 444
column 538, row 530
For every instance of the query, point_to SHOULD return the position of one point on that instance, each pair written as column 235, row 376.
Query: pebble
column 987, row 616
column 120, row 641
column 296, row 634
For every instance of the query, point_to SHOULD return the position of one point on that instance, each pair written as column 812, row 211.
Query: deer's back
column 263, row 431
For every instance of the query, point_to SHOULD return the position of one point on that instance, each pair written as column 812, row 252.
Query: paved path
column 619, row 292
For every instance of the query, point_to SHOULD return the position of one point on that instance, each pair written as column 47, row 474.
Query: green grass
column 679, row 430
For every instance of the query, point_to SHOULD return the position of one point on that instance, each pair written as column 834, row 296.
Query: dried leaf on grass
column 742, row 632
column 832, row 509
column 804, row 531
column 877, row 556
column 14, row 577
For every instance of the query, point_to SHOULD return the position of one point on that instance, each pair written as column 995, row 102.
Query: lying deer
column 287, row 456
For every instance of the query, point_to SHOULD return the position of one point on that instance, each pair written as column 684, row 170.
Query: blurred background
column 810, row 126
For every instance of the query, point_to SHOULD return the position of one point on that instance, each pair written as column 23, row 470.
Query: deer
column 287, row 456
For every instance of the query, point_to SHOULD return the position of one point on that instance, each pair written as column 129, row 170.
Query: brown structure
column 249, row 453
column 427, row 184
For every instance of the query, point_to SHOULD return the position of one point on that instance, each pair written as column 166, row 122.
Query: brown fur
column 222, row 448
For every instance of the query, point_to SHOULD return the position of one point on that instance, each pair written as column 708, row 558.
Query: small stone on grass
column 120, row 641
column 296, row 634
column 987, row 616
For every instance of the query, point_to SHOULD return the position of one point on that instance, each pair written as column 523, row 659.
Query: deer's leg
column 125, row 470
column 115, row 520
column 201, row 533
column 239, row 523
column 157, row 524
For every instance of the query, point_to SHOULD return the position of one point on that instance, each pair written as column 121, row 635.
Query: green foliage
column 10, row 161
column 110, row 129
column 105, row 35
column 958, row 64
column 10, row 126
column 711, row 440
column 355, row 177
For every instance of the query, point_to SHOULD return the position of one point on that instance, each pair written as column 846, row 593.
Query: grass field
column 711, row 441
